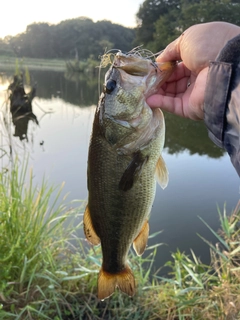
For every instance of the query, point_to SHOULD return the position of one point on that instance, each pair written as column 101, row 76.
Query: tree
column 39, row 41
column 149, row 12
column 161, row 21
column 209, row 10
column 5, row 49
column 73, row 38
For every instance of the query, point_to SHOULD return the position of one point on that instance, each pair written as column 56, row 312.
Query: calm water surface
column 201, row 176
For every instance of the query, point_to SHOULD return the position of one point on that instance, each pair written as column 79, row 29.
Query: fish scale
column 123, row 160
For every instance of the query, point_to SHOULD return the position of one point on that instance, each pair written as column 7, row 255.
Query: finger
column 180, row 72
column 174, row 88
column 171, row 52
column 167, row 103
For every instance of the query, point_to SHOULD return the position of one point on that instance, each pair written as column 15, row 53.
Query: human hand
column 183, row 93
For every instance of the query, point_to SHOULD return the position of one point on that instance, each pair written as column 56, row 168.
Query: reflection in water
column 86, row 87
column 21, row 125
column 76, row 88
column 81, row 90
column 185, row 134
column 21, row 107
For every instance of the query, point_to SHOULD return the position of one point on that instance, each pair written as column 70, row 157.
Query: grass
column 89, row 66
column 33, row 63
column 48, row 272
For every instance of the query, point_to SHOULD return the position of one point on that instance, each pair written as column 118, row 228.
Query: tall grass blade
column 216, row 235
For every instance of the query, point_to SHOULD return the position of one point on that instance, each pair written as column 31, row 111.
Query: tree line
column 162, row 21
column 158, row 23
column 73, row 38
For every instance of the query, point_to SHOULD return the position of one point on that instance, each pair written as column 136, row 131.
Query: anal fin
column 89, row 231
column 140, row 243
column 161, row 173
column 107, row 282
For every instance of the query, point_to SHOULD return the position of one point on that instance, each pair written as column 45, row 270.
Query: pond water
column 201, row 176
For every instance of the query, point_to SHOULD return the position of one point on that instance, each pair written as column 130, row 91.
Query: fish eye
column 110, row 86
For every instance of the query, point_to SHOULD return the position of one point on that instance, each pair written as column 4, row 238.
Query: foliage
column 89, row 66
column 149, row 12
column 5, row 48
column 161, row 21
column 74, row 38
column 198, row 291
column 48, row 273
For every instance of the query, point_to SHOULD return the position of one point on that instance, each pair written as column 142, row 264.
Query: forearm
column 222, row 100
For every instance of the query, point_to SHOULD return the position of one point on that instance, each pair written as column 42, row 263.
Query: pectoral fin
column 140, row 243
column 161, row 173
column 88, row 228
column 133, row 171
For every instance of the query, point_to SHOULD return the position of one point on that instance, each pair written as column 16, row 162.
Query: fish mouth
column 134, row 65
column 132, row 72
column 137, row 63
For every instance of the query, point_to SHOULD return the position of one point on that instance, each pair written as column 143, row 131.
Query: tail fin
column 107, row 282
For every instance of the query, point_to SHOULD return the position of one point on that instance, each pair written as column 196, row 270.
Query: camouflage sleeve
column 222, row 101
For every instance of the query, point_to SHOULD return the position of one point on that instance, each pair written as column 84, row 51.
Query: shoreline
column 32, row 63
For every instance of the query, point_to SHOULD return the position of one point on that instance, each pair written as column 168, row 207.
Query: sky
column 17, row 15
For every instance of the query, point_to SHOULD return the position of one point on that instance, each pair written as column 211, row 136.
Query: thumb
column 171, row 52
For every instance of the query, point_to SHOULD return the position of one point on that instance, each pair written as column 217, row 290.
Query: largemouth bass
column 124, row 157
